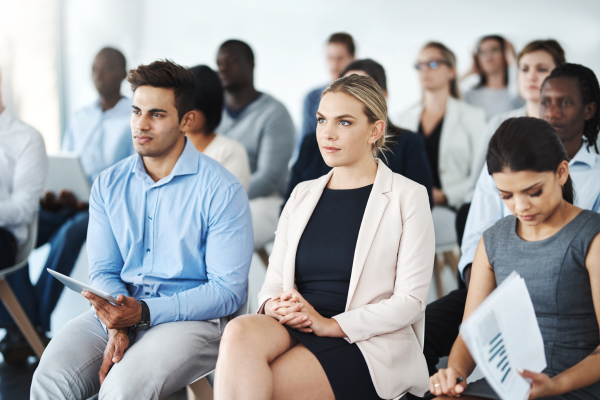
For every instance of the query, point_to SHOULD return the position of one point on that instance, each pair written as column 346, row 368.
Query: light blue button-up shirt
column 100, row 138
column 487, row 206
column 183, row 244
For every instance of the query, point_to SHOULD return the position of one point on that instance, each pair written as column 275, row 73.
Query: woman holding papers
column 554, row 246
column 343, row 300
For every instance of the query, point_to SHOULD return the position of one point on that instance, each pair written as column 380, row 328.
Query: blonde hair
column 369, row 93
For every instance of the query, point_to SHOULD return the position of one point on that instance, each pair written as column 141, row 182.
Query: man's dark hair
column 166, row 74
column 590, row 93
column 371, row 68
column 208, row 97
column 527, row 144
column 243, row 46
column 118, row 55
column 345, row 39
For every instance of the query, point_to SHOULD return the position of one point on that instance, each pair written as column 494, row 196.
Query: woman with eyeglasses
column 495, row 62
column 451, row 128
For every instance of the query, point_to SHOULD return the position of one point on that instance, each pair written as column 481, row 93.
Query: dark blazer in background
column 407, row 158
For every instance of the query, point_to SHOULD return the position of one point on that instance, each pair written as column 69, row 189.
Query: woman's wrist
column 559, row 385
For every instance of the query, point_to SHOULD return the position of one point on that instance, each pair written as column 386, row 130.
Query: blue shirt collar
column 187, row 164
column 585, row 156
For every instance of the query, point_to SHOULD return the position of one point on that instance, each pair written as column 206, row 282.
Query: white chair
column 8, row 297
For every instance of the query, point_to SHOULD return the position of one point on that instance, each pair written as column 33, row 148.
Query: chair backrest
column 26, row 248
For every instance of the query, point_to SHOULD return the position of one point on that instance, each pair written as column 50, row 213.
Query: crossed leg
column 260, row 360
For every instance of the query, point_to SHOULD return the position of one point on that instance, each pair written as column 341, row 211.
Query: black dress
column 432, row 148
column 323, row 269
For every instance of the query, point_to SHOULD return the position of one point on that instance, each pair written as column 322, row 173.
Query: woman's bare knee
column 255, row 335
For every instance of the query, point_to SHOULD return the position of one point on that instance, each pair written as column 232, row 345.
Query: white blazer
column 459, row 141
column 389, row 284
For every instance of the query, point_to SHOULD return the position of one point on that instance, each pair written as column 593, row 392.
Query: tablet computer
column 65, row 172
column 79, row 287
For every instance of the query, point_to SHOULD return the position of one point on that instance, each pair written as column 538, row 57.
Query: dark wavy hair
column 528, row 144
column 166, row 74
column 590, row 93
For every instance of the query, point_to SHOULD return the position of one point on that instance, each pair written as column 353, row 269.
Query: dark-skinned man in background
column 263, row 125
column 100, row 135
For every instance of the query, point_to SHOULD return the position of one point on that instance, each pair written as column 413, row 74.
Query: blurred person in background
column 23, row 169
column 495, row 63
column 535, row 62
column 264, row 127
column 451, row 129
column 208, row 110
column 569, row 101
column 406, row 150
column 101, row 136
column 341, row 51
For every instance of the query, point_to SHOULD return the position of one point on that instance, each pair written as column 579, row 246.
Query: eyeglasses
column 435, row 64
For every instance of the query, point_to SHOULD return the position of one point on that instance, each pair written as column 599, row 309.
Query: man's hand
column 49, row 202
column 116, row 317
column 118, row 342
column 439, row 197
column 67, row 199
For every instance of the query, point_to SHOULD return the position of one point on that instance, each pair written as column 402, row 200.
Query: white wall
column 28, row 31
column 288, row 37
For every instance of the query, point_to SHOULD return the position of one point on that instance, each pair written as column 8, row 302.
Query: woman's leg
column 249, row 344
column 298, row 375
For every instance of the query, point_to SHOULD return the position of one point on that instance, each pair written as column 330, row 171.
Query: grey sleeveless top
column 558, row 283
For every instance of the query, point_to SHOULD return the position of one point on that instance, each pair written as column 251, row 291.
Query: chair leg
column 16, row 311
column 452, row 260
column 264, row 256
column 200, row 390
column 438, row 265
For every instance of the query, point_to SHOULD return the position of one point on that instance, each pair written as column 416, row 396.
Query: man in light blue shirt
column 170, row 236
column 570, row 102
column 100, row 134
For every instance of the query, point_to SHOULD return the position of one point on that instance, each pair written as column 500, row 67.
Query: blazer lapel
column 451, row 119
column 297, row 225
column 374, row 211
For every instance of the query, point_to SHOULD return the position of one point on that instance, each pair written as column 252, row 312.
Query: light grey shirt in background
column 23, row 169
column 495, row 101
column 266, row 130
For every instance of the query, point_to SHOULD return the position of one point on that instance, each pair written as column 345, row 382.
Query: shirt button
column 147, row 250
column 150, row 218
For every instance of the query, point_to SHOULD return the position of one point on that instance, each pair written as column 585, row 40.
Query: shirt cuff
column 162, row 309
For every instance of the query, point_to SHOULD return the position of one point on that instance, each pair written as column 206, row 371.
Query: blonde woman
column 343, row 301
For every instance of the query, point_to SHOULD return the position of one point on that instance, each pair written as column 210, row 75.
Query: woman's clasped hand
column 292, row 310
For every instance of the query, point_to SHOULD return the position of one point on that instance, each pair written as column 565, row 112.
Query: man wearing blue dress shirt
column 170, row 237
column 570, row 102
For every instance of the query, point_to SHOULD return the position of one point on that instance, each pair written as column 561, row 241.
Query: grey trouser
column 159, row 361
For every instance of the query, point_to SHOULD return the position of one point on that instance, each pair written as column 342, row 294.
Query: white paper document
column 503, row 335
